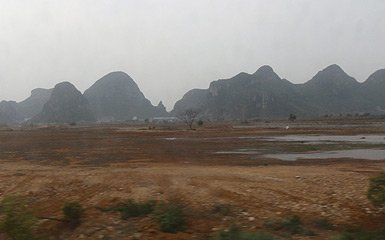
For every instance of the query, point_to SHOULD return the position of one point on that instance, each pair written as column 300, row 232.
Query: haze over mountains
column 34, row 104
column 65, row 105
column 263, row 94
column 117, row 97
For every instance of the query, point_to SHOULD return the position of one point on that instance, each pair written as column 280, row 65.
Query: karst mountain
column 260, row 95
column 116, row 96
column 265, row 95
column 65, row 105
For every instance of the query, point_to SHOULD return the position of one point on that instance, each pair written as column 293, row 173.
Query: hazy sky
column 171, row 46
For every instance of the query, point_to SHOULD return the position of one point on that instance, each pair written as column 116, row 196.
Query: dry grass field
column 204, row 170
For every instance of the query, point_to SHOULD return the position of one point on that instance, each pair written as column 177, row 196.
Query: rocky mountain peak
column 333, row 68
column 266, row 72
column 377, row 77
column 66, row 104
column 332, row 75
column 64, row 88
column 332, row 72
column 265, row 69
column 33, row 105
column 116, row 96
column 38, row 91
column 117, row 78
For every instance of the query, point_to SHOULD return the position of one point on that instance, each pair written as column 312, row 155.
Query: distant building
column 164, row 120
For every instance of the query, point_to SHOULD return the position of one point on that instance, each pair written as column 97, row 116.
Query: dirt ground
column 100, row 166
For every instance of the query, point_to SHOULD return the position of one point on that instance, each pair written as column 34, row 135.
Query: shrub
column 130, row 208
column 376, row 191
column 323, row 223
column 171, row 217
column 73, row 213
column 18, row 220
column 360, row 235
column 221, row 209
column 236, row 233
column 292, row 224
column 133, row 209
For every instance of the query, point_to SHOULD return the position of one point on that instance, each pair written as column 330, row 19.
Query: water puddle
column 206, row 139
column 170, row 139
column 328, row 139
column 368, row 154
column 306, row 139
column 239, row 151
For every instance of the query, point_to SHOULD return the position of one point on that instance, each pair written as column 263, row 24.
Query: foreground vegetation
column 19, row 222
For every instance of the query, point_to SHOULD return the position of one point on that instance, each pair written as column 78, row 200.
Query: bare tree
column 189, row 117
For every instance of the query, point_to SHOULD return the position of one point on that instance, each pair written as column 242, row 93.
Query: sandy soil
column 100, row 167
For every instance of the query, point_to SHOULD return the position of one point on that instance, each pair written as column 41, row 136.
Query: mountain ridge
column 116, row 96
column 65, row 105
column 262, row 94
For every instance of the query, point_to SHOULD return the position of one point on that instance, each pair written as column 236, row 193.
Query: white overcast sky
column 171, row 46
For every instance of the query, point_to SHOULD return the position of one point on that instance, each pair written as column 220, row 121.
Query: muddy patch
column 330, row 139
column 367, row 154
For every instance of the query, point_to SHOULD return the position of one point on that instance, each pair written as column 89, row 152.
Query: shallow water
column 317, row 139
column 371, row 139
column 367, row 154
column 170, row 138
column 240, row 151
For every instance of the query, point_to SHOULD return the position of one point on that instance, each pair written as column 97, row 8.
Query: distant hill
column 33, row 105
column 65, row 105
column 262, row 94
column 12, row 112
column 9, row 113
column 117, row 97
column 193, row 99
column 265, row 95
column 332, row 91
column 374, row 91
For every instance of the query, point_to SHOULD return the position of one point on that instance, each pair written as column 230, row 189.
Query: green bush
column 133, row 209
column 221, row 209
column 235, row 233
column 376, row 191
column 292, row 225
column 130, row 208
column 360, row 235
column 171, row 217
column 323, row 223
column 17, row 219
column 73, row 213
